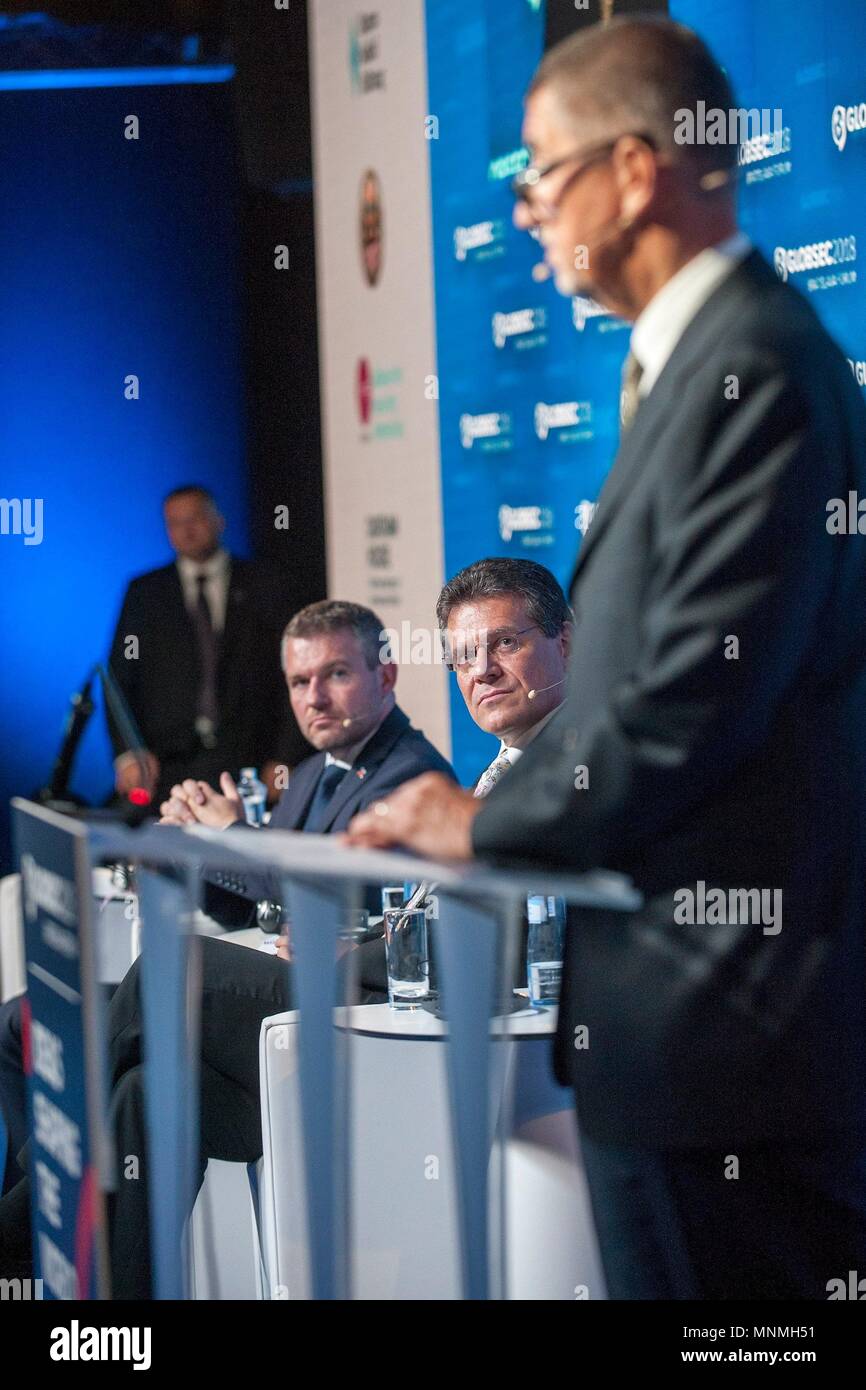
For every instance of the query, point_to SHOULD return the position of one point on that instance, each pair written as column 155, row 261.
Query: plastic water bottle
column 544, row 949
column 393, row 896
column 254, row 795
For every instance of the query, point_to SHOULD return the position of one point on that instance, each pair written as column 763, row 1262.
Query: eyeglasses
column 524, row 183
column 502, row 642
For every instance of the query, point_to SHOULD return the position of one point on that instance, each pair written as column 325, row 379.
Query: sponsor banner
column 63, row 1057
column 376, row 332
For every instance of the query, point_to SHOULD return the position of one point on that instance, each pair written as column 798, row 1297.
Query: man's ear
column 636, row 173
column 565, row 636
column 389, row 675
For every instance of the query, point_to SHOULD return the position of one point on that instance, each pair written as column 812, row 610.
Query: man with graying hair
column 713, row 734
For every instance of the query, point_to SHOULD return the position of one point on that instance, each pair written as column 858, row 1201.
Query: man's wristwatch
column 360, row 928
column 269, row 916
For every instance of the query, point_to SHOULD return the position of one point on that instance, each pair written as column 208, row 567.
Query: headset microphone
column 356, row 718
column 532, row 693
column 542, row 271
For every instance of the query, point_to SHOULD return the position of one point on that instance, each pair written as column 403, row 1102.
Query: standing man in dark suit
column 713, row 739
column 196, row 653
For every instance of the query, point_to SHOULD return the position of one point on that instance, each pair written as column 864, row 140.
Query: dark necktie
column 208, row 651
column 329, row 780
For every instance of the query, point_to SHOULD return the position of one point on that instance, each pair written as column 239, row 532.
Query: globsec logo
column 845, row 121
column 791, row 260
column 583, row 308
column 43, row 888
column 519, row 321
column 487, row 426
column 560, row 416
column 468, row 239
column 512, row 519
column 765, row 146
column 858, row 370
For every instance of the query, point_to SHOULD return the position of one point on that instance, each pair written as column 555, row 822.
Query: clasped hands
column 197, row 803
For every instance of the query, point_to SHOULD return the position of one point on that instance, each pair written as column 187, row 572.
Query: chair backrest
column 13, row 974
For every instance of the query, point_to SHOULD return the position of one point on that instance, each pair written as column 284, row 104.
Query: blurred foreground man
column 713, row 737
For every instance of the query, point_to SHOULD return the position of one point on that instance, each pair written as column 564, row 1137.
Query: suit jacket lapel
column 653, row 411
column 632, row 450
column 178, row 603
column 371, row 757
column 295, row 801
column 235, row 614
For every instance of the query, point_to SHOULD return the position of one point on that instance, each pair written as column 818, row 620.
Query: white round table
column 402, row 1189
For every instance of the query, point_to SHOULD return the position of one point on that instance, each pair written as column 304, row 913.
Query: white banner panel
column 376, row 330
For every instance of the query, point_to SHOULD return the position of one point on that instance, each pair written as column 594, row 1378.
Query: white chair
column 13, row 969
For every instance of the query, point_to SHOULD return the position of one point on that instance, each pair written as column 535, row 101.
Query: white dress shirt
column 511, row 753
column 514, row 751
column 354, row 751
column 216, row 587
column 659, row 327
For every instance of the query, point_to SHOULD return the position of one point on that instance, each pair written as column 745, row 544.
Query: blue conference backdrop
column 529, row 381
column 120, row 258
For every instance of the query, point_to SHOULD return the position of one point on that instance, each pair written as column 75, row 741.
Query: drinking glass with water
column 408, row 957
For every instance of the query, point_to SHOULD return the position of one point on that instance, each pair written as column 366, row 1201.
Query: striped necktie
column 629, row 397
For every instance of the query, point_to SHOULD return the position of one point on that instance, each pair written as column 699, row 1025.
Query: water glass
column 408, row 957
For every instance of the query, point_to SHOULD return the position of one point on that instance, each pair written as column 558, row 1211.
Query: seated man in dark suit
column 343, row 697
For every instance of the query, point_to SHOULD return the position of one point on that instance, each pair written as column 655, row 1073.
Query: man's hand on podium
column 197, row 803
column 428, row 814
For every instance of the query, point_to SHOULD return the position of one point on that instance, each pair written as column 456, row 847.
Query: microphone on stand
column 532, row 693
column 138, row 796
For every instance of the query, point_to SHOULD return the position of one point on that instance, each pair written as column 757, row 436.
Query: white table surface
column 385, row 1022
